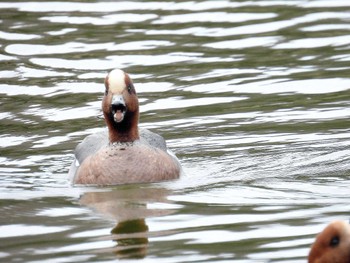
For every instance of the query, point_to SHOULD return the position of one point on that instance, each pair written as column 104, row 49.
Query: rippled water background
column 252, row 96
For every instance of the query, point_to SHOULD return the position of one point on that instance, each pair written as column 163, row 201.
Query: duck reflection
column 129, row 206
column 132, row 238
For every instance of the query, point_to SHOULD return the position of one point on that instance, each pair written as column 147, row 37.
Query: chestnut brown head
column 332, row 245
column 120, row 107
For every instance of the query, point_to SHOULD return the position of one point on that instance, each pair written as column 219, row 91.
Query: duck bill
column 118, row 108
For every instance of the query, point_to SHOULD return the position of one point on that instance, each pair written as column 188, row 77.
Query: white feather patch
column 116, row 81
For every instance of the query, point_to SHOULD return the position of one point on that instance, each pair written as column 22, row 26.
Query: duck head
column 332, row 245
column 120, row 107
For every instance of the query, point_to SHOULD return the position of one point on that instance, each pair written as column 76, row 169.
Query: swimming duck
column 332, row 245
column 124, row 153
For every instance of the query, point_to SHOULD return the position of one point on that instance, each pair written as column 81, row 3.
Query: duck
column 332, row 245
column 123, row 153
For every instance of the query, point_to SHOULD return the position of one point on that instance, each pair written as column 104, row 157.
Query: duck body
column 123, row 154
column 123, row 163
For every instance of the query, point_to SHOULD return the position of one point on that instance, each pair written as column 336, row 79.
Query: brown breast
column 124, row 163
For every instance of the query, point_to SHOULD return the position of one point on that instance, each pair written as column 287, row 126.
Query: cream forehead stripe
column 116, row 81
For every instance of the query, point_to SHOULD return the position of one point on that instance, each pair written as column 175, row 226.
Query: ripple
column 61, row 32
column 71, row 47
column 28, row 230
column 277, row 86
column 7, row 140
column 60, row 88
column 17, row 36
column 174, row 103
column 6, row 58
column 154, row 87
column 115, row 61
column 314, row 42
column 104, row 20
column 25, row 72
column 67, row 113
column 311, row 86
column 57, row 212
column 327, row 3
column 219, row 72
column 214, row 17
column 326, row 27
column 46, row 7
column 196, row 31
column 259, row 28
column 245, row 43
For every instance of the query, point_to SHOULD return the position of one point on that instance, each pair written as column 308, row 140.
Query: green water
column 252, row 96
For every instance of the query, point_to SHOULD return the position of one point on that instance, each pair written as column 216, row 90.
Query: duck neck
column 125, row 131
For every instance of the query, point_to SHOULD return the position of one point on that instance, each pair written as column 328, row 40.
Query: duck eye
column 334, row 241
column 106, row 91
column 129, row 88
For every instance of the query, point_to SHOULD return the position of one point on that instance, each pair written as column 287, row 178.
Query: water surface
column 252, row 96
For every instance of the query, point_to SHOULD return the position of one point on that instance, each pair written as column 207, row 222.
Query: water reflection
column 129, row 207
column 132, row 238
